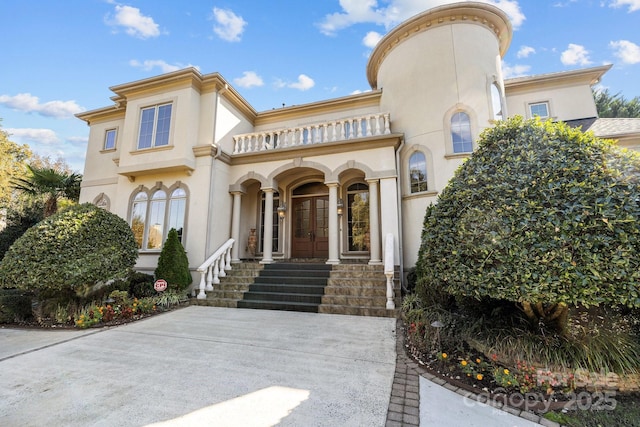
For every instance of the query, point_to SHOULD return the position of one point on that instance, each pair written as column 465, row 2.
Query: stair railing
column 389, row 269
column 214, row 267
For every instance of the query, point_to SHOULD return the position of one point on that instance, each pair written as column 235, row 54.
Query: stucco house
column 341, row 181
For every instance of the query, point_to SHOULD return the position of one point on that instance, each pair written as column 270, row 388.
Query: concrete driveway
column 202, row 366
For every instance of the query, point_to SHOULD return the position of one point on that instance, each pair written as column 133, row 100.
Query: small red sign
column 160, row 285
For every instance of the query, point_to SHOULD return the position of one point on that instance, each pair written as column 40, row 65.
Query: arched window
column 496, row 102
column 156, row 220
column 177, row 207
column 139, row 217
column 461, row 133
column 418, row 172
column 152, row 218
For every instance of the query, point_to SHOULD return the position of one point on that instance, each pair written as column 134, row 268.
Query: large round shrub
column 541, row 215
column 74, row 249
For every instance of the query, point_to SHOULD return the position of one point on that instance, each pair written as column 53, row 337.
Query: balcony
column 352, row 128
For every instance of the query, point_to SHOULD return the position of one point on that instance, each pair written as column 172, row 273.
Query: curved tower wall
column 435, row 64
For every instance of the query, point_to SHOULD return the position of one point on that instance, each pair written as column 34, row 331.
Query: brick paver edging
column 404, row 404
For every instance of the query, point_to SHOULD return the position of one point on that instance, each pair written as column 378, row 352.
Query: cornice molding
column 475, row 13
column 588, row 76
column 185, row 78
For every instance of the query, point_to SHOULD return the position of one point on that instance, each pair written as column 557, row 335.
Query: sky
column 61, row 57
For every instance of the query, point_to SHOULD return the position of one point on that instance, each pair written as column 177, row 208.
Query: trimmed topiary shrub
column 76, row 250
column 541, row 215
column 141, row 285
column 19, row 220
column 173, row 264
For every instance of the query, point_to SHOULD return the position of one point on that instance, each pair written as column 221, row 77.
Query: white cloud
column 511, row 71
column 628, row 52
column 31, row 104
column 632, row 4
column 371, row 39
column 249, row 79
column 31, row 136
column 525, row 51
column 229, row 26
column 134, row 23
column 396, row 11
column 564, row 4
column 304, row 83
column 165, row 67
column 575, row 54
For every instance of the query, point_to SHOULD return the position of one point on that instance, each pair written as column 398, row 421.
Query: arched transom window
column 152, row 217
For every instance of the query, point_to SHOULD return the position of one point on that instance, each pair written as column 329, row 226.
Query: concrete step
column 297, row 288
column 278, row 305
column 283, row 297
column 357, row 311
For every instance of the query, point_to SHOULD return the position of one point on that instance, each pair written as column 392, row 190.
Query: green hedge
column 77, row 250
column 539, row 214
column 15, row 305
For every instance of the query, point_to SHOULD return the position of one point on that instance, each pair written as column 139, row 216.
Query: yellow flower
column 478, row 360
column 463, row 363
column 506, row 372
column 479, row 377
column 444, row 355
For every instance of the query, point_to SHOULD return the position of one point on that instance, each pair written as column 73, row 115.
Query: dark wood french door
column 310, row 227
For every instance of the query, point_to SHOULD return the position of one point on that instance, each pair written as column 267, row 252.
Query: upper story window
column 496, row 102
column 155, row 123
column 110, row 139
column 418, row 172
column 461, row 133
column 540, row 109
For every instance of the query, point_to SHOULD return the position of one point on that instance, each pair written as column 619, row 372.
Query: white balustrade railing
column 331, row 131
column 214, row 267
column 389, row 269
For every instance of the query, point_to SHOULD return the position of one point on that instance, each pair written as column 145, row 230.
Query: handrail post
column 201, row 294
column 389, row 270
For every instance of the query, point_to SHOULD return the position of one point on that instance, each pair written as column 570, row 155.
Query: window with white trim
column 155, row 123
column 496, row 102
column 461, row 133
column 539, row 109
column 153, row 217
column 110, row 139
column 418, row 172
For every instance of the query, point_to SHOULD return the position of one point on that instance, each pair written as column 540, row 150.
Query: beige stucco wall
column 425, row 80
column 565, row 102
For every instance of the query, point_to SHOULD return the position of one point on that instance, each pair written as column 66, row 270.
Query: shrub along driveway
column 202, row 366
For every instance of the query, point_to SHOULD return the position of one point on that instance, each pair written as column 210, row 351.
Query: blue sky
column 61, row 57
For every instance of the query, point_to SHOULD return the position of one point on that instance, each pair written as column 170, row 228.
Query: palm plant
column 51, row 184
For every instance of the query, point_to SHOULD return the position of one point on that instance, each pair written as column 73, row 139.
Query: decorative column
column 235, row 226
column 374, row 223
column 267, row 237
column 334, row 248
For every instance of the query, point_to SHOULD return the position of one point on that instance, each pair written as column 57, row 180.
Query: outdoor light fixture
column 282, row 210
column 340, row 206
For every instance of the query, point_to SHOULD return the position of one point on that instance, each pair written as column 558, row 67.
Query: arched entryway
column 310, row 221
